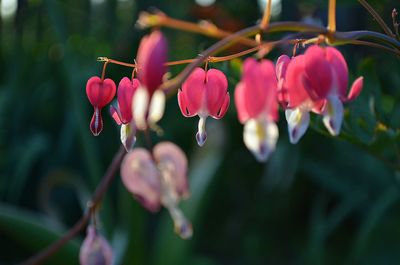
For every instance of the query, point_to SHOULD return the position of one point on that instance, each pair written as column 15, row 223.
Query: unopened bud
column 95, row 249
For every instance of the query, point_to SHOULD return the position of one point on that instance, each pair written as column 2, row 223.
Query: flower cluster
column 315, row 81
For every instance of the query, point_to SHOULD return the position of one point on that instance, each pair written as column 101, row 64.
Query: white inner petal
column 139, row 107
column 298, row 121
column 260, row 137
column 333, row 115
column 157, row 107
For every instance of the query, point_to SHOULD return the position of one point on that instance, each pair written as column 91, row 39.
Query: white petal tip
column 201, row 138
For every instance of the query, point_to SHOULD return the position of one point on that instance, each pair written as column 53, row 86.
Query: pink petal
column 182, row 102
column 318, row 78
column 270, row 83
column 126, row 90
column 95, row 249
column 355, row 89
column 243, row 115
column 140, row 176
column 280, row 69
column 281, row 66
column 100, row 93
column 114, row 112
column 339, row 66
column 260, row 86
column 224, row 107
column 192, row 94
column 216, row 89
column 96, row 123
column 170, row 157
column 151, row 57
column 296, row 93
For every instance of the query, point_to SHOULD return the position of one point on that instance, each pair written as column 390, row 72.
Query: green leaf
column 35, row 232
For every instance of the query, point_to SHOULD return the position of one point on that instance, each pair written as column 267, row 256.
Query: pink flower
column 257, row 107
column 159, row 179
column 316, row 81
column 151, row 57
column 100, row 93
column 95, row 249
column 204, row 94
column 122, row 112
column 149, row 101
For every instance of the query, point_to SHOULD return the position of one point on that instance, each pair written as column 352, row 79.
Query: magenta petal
column 224, row 107
column 193, row 90
column 355, row 89
column 140, row 176
column 296, row 93
column 216, row 89
column 171, row 159
column 96, row 123
column 182, row 102
column 114, row 112
column 255, row 94
column 95, row 249
column 281, row 66
column 100, row 93
column 339, row 66
column 151, row 58
column 126, row 90
column 318, row 73
column 243, row 115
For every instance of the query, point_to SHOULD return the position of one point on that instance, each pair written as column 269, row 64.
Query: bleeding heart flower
column 95, row 249
column 256, row 103
column 159, row 179
column 204, row 94
column 100, row 93
column 122, row 112
column 151, row 57
column 149, row 101
column 316, row 81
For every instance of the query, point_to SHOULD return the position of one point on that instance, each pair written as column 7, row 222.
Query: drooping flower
column 257, row 106
column 149, row 101
column 95, row 249
column 204, row 93
column 122, row 112
column 100, row 93
column 316, row 81
column 159, row 179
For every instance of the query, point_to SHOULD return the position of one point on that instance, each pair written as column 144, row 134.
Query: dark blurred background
column 323, row 201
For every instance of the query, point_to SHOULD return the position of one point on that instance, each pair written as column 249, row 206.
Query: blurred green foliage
column 323, row 201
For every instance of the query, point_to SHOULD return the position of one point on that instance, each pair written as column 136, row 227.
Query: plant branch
column 160, row 19
column 267, row 15
column 81, row 224
column 332, row 16
column 377, row 17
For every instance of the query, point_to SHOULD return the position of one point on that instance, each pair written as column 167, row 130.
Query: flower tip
column 95, row 249
column 201, row 138
column 184, row 230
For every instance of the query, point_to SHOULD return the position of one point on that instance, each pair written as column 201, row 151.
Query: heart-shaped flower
column 100, row 93
column 149, row 101
column 204, row 94
column 122, row 111
column 159, row 179
column 316, row 81
column 257, row 107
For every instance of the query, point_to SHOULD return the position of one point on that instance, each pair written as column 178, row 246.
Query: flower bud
column 95, row 249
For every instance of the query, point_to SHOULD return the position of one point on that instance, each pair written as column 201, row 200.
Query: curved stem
column 332, row 16
column 267, row 15
column 377, row 17
column 81, row 224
